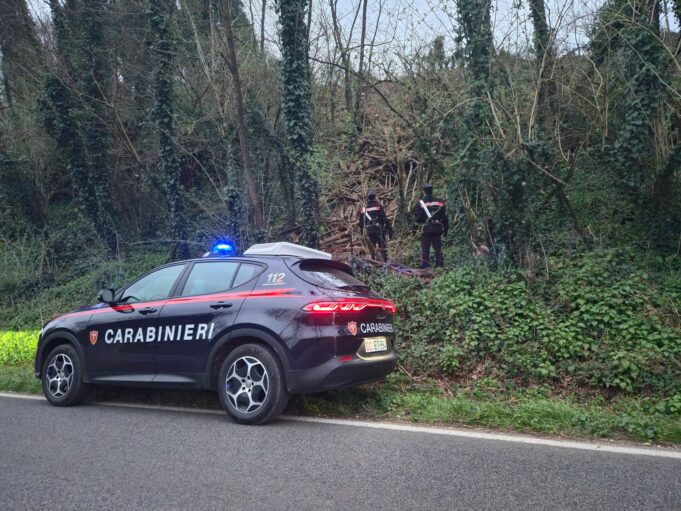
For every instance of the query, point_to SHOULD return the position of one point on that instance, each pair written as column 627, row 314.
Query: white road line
column 22, row 396
column 659, row 452
column 482, row 435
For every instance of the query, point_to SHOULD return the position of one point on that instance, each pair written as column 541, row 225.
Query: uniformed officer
column 431, row 213
column 373, row 218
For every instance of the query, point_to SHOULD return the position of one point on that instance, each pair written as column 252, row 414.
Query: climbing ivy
column 476, row 35
column 96, row 84
column 627, row 36
column 160, row 16
column 74, row 111
column 296, row 109
column 56, row 107
column 484, row 176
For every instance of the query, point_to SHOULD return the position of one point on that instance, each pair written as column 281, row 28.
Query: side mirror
column 106, row 295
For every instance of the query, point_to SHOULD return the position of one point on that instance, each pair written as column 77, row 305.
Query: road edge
column 613, row 448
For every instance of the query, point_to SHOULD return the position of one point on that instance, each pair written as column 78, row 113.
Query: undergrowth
column 595, row 321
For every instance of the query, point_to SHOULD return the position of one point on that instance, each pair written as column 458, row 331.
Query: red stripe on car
column 258, row 293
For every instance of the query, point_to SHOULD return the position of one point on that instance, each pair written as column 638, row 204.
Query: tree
column 545, row 59
column 96, row 85
column 75, row 109
column 296, row 111
column 240, row 118
column 161, row 19
column 21, row 53
column 627, row 37
column 359, row 96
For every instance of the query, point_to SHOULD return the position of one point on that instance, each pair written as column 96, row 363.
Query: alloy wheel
column 59, row 375
column 247, row 384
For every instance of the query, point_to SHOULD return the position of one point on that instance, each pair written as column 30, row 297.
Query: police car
column 281, row 319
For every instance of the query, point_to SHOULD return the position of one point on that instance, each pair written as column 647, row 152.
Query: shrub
column 595, row 320
column 73, row 286
column 17, row 347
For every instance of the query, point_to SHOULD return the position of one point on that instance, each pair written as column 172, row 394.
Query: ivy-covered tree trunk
column 161, row 18
column 497, row 185
column 645, row 61
column 96, row 80
column 297, row 114
column 75, row 110
column 627, row 39
column 476, row 30
column 544, row 55
column 475, row 37
column 59, row 110
column 20, row 53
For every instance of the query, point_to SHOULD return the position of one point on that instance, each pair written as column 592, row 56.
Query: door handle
column 147, row 310
column 221, row 305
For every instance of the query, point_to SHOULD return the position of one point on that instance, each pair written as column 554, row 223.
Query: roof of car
column 283, row 248
column 278, row 249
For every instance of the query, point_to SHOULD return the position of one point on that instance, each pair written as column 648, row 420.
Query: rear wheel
column 251, row 385
column 62, row 377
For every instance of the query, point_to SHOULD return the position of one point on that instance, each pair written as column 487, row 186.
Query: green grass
column 17, row 350
column 524, row 410
column 19, row 379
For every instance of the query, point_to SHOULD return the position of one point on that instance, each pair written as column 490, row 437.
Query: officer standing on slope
column 373, row 218
column 431, row 213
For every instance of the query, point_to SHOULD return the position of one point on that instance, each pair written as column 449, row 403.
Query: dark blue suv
column 279, row 320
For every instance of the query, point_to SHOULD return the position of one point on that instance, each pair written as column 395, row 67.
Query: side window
column 246, row 272
column 210, row 277
column 155, row 286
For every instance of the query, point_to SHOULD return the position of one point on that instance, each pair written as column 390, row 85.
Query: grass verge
column 432, row 402
column 523, row 410
column 19, row 379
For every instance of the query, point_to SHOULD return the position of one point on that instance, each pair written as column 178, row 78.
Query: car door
column 125, row 332
column 207, row 304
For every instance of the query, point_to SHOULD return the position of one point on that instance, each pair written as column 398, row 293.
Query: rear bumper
column 334, row 374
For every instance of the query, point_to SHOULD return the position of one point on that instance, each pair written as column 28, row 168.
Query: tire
column 251, row 385
column 62, row 377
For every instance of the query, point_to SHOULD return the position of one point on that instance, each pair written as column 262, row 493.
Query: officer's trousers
column 377, row 240
column 428, row 239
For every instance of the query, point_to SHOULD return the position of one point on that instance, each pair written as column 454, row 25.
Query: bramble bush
column 17, row 347
column 594, row 320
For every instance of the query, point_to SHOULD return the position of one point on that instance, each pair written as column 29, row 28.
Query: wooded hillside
column 151, row 127
column 175, row 122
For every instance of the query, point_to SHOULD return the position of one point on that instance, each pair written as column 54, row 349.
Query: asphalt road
column 102, row 457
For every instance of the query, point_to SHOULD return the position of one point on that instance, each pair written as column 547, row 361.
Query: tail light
column 349, row 306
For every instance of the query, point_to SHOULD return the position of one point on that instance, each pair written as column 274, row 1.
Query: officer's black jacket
column 379, row 220
column 438, row 222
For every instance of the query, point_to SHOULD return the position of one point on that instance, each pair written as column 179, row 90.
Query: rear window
column 246, row 272
column 330, row 277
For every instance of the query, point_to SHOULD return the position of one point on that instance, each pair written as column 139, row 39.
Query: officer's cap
column 426, row 186
column 371, row 193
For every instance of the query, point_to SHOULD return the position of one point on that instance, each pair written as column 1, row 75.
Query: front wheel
column 63, row 377
column 251, row 385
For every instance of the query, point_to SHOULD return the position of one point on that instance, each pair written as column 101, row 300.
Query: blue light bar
column 223, row 248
